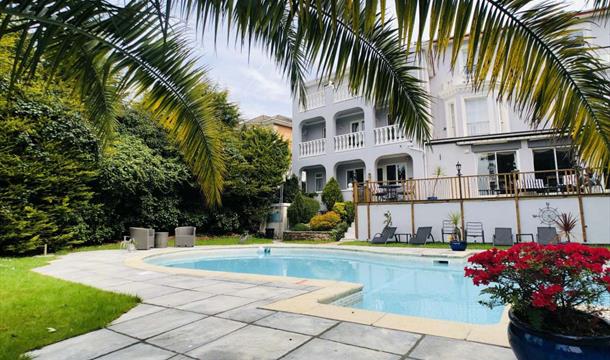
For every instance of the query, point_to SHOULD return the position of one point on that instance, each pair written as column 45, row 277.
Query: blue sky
column 254, row 82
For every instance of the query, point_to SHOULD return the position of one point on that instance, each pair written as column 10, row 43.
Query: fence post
column 368, row 206
column 355, row 192
column 581, row 209
column 461, row 204
column 514, row 176
column 412, row 210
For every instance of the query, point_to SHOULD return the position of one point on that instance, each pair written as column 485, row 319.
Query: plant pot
column 458, row 245
column 530, row 344
column 432, row 198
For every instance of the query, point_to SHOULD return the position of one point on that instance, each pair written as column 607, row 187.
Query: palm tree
column 520, row 48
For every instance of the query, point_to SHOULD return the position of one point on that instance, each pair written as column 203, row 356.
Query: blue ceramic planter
column 529, row 344
column 458, row 245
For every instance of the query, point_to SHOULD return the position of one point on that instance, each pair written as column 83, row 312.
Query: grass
column 32, row 304
column 437, row 245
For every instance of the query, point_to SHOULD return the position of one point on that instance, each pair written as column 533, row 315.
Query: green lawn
column 32, row 303
column 436, row 245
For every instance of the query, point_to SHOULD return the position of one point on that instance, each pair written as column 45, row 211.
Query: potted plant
column 455, row 240
column 566, row 222
column 438, row 172
column 553, row 291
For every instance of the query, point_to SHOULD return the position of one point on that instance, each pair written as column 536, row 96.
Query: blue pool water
column 392, row 283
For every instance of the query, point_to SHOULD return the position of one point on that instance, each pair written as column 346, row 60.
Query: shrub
column 324, row 221
column 550, row 287
column 339, row 232
column 301, row 227
column 302, row 209
column 345, row 210
column 331, row 193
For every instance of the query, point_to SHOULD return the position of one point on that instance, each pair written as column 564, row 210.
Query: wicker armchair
column 185, row 236
column 143, row 238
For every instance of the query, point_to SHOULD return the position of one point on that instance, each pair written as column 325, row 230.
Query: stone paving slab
column 216, row 304
column 178, row 298
column 303, row 324
column 434, row 347
column 193, row 335
column 247, row 313
column 84, row 347
column 138, row 311
column 156, row 323
column 330, row 350
column 226, row 288
column 250, row 342
column 139, row 352
column 394, row 341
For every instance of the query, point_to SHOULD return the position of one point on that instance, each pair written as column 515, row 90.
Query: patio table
column 391, row 191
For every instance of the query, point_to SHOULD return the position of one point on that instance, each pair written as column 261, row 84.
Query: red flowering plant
column 556, row 288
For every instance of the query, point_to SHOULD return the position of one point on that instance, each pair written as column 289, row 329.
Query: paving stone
column 433, row 347
column 224, row 287
column 156, row 323
column 184, row 282
column 260, row 292
column 247, row 313
column 394, row 341
column 303, row 324
column 330, row 350
column 216, row 304
column 179, row 298
column 191, row 336
column 136, row 312
column 139, row 352
column 250, row 342
column 84, row 347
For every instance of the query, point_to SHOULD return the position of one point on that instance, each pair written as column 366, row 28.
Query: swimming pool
column 405, row 285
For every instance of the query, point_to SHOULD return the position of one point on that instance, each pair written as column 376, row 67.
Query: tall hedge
column 302, row 209
column 331, row 193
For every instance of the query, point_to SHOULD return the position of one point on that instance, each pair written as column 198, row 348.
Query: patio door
column 392, row 173
column 492, row 164
column 354, row 175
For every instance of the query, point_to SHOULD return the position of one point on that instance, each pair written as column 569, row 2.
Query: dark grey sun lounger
column 421, row 236
column 547, row 235
column 503, row 237
column 384, row 236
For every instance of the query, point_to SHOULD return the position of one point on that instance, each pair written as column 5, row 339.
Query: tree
column 522, row 49
column 302, row 209
column 331, row 193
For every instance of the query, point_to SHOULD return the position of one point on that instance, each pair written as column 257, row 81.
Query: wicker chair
column 185, row 236
column 143, row 238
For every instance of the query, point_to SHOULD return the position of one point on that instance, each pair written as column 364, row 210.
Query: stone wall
column 307, row 235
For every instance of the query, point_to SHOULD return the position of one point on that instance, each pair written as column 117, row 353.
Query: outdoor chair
column 447, row 229
column 185, row 236
column 143, row 238
column 421, row 236
column 384, row 236
column 475, row 230
column 503, row 237
column 547, row 235
column 532, row 185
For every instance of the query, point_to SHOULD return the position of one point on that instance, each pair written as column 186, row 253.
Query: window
column 357, row 126
column 354, row 175
column 392, row 172
column 547, row 162
column 319, row 181
column 451, row 121
column 324, row 132
column 466, row 70
column 477, row 116
column 494, row 163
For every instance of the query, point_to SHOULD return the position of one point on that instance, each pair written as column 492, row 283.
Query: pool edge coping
column 318, row 302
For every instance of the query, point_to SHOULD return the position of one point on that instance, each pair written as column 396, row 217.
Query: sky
column 253, row 81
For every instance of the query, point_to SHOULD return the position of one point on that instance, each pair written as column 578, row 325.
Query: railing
column 343, row 93
column 350, row 141
column 315, row 99
column 522, row 184
column 389, row 135
column 312, row 148
column 478, row 128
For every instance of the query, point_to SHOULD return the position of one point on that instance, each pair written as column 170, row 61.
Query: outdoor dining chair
column 475, row 230
column 503, row 237
column 447, row 229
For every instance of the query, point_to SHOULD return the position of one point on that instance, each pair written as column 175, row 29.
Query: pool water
column 397, row 284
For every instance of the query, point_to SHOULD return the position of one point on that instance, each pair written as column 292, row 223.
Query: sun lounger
column 421, row 236
column 503, row 237
column 384, row 236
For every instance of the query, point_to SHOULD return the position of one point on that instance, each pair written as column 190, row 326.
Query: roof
column 508, row 136
column 271, row 120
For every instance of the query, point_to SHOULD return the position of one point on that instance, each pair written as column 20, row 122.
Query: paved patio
column 187, row 317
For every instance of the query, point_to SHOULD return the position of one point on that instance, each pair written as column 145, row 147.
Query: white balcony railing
column 312, row 148
column 343, row 93
column 315, row 99
column 349, row 141
column 478, row 128
column 389, row 135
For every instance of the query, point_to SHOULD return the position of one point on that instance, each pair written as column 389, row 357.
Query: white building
column 343, row 136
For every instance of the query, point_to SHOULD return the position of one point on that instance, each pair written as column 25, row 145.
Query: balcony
column 350, row 141
column 315, row 99
column 312, row 148
column 389, row 135
column 342, row 93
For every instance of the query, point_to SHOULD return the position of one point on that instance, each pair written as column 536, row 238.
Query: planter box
column 307, row 235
